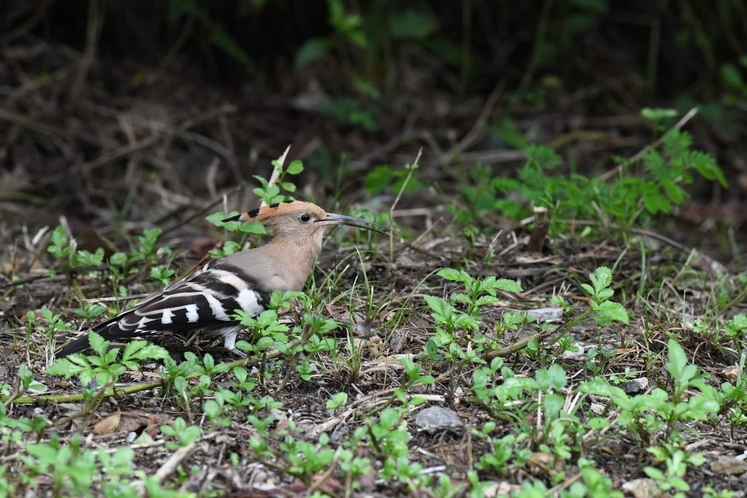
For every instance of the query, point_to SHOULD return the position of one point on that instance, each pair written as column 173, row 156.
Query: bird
column 207, row 299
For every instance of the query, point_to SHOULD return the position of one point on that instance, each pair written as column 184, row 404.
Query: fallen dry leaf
column 108, row 425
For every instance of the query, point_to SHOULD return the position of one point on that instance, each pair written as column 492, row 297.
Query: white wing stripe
column 167, row 316
column 192, row 315
column 229, row 278
column 247, row 299
column 218, row 312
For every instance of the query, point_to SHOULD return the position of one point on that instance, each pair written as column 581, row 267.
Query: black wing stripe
column 263, row 296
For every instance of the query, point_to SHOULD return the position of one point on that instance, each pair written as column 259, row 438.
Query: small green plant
column 90, row 311
column 147, row 248
column 350, row 112
column 658, row 116
column 505, row 451
column 455, row 329
column 25, row 382
column 733, row 396
column 593, row 484
column 389, row 439
column 217, row 35
column 51, row 323
column 364, row 41
column 675, row 463
column 384, row 178
column 651, row 185
column 337, row 401
column 103, row 366
column 605, row 311
column 59, row 245
column 646, row 414
column 73, row 468
column 183, row 433
column 269, row 194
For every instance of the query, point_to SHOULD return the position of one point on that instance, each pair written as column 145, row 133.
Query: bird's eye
column 305, row 218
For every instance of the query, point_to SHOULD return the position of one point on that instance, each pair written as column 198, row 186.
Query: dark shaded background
column 82, row 80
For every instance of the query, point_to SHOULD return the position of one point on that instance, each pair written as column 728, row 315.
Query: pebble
column 635, row 386
column 437, row 418
column 545, row 314
column 729, row 465
column 641, row 488
column 575, row 352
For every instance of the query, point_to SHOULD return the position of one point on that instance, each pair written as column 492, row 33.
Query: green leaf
column 98, row 343
column 598, row 423
column 588, row 288
column 675, row 193
column 677, row 359
column 143, row 350
column 295, row 167
column 312, row 50
column 212, row 409
column 655, row 163
column 288, row 186
column 732, row 77
column 553, row 404
column 608, row 312
column 485, row 300
column 364, row 86
column 64, row 366
column 601, row 387
column 601, row 279
column 657, row 114
column 118, row 259
column 455, row 275
column 556, row 377
column 253, row 227
column 410, row 25
column 704, row 164
column 676, row 142
column 507, row 285
column 510, row 133
column 59, row 238
column 338, row 400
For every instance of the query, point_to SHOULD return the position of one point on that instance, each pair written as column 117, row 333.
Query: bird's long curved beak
column 341, row 219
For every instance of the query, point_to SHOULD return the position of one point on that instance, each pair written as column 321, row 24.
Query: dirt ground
column 122, row 157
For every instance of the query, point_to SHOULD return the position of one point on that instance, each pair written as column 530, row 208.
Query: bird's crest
column 265, row 213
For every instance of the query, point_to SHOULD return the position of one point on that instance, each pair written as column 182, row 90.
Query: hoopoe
column 208, row 298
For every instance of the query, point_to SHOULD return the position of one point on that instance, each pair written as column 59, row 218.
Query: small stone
column 635, row 386
column 437, row 418
column 545, row 314
column 502, row 488
column 575, row 352
column 71, row 407
column 729, row 465
column 340, row 434
column 641, row 488
column 131, row 437
column 597, row 408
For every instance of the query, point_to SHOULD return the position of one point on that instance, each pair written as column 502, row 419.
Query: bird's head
column 303, row 222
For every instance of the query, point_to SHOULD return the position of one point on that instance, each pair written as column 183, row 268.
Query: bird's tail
column 76, row 346
column 108, row 330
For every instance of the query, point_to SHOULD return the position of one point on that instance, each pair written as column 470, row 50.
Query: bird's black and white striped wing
column 206, row 299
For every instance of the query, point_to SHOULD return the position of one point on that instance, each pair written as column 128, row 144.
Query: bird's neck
column 298, row 255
